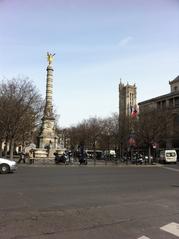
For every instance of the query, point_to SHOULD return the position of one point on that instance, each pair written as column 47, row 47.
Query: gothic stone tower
column 127, row 98
column 47, row 135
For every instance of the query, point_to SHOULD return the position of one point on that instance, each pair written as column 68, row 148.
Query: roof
column 174, row 81
column 162, row 97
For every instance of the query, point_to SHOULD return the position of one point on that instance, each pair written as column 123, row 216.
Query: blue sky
column 96, row 43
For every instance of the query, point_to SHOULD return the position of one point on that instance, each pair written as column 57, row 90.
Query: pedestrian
column 48, row 148
column 31, row 156
column 70, row 157
column 22, row 156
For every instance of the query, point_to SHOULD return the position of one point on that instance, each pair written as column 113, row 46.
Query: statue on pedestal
column 50, row 57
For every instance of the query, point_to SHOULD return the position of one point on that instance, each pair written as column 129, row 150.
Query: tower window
column 175, row 88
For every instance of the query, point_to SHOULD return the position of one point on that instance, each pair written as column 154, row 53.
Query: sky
column 97, row 43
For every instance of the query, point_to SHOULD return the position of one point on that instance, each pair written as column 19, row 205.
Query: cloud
column 125, row 41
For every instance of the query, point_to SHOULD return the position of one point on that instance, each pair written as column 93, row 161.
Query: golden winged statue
column 50, row 57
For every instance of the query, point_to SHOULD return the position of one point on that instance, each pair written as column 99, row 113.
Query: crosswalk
column 143, row 237
column 171, row 228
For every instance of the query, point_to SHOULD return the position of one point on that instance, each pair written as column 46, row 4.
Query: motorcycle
column 83, row 160
column 60, row 158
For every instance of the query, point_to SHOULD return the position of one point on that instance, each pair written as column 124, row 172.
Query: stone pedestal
column 40, row 153
column 47, row 137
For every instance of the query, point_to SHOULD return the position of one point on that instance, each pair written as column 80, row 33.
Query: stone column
column 47, row 136
column 49, row 91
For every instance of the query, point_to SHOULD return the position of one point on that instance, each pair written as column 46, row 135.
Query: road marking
column 172, row 169
column 172, row 228
column 143, row 237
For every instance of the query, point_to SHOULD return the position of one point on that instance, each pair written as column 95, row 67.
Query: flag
column 133, row 112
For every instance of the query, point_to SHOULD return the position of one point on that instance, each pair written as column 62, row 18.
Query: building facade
column 168, row 102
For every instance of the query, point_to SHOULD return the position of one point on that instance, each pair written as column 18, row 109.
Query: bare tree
column 21, row 107
column 2, row 125
column 152, row 126
column 109, row 133
column 124, row 130
column 95, row 133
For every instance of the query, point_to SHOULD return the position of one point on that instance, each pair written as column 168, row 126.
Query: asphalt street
column 51, row 202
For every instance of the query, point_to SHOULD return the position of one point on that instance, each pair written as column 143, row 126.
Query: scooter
column 60, row 158
column 83, row 161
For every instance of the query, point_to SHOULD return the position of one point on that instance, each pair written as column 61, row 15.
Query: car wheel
column 4, row 168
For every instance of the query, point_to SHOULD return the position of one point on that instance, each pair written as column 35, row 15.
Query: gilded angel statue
column 50, row 57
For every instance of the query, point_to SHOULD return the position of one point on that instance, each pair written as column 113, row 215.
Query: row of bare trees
column 150, row 127
column 20, row 110
column 95, row 133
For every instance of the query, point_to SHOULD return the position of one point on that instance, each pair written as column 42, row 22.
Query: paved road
column 86, row 202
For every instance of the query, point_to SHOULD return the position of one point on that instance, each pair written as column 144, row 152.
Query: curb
column 90, row 165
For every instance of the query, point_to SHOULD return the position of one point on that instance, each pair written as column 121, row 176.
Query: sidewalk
column 98, row 163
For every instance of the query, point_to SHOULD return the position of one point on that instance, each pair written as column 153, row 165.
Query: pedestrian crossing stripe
column 172, row 228
column 143, row 237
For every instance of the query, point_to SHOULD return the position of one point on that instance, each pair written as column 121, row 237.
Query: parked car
column 168, row 156
column 7, row 166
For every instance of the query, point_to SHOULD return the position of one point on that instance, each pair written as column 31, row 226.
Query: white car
column 7, row 166
column 168, row 156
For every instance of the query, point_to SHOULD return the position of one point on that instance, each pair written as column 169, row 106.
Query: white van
column 168, row 156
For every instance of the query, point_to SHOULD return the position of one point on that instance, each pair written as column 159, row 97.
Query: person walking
column 31, row 156
column 22, row 156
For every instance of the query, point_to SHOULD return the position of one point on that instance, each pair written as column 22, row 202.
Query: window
column 170, row 103
column 158, row 105
column 176, row 120
column 177, row 102
column 170, row 154
column 163, row 104
column 175, row 88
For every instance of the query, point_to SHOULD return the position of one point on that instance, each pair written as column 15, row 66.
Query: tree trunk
column 120, row 150
column 11, row 148
column 94, row 152
column 5, row 149
column 1, row 148
column 149, row 155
